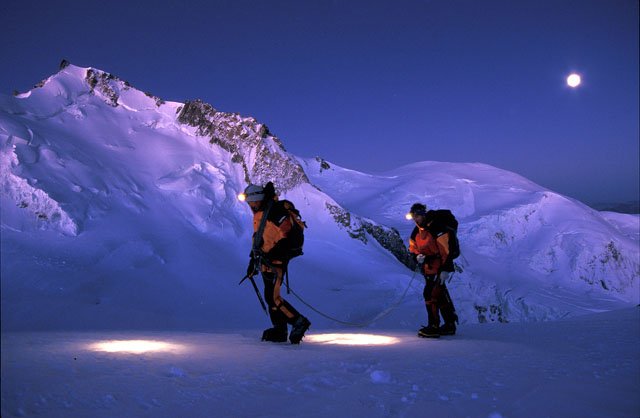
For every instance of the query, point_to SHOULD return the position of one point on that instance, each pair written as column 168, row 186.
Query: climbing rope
column 382, row 314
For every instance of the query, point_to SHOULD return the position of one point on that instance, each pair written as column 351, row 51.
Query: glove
column 251, row 268
column 445, row 277
column 420, row 258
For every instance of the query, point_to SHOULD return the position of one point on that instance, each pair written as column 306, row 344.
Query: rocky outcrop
column 390, row 239
column 324, row 165
column 360, row 228
column 490, row 313
column 100, row 81
column 250, row 143
column 108, row 86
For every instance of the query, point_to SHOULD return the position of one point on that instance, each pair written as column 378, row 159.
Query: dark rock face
column 100, row 81
column 490, row 313
column 390, row 239
column 250, row 143
column 110, row 86
column 324, row 165
column 360, row 229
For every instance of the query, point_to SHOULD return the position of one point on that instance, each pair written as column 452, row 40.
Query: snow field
column 588, row 367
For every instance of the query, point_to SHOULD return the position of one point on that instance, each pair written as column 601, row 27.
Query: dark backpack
column 290, row 246
column 295, row 237
column 442, row 222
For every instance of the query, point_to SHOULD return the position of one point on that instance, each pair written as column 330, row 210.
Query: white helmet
column 254, row 193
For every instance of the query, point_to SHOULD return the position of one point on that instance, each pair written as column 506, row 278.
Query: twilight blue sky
column 373, row 85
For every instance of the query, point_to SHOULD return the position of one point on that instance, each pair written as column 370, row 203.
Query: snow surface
column 581, row 367
column 119, row 223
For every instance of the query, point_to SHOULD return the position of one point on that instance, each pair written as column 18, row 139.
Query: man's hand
column 420, row 259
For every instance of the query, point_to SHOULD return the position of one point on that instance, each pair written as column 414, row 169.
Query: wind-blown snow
column 117, row 216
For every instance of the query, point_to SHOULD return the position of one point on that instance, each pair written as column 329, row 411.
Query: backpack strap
column 414, row 232
column 257, row 237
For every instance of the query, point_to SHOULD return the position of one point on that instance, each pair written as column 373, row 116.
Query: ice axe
column 255, row 287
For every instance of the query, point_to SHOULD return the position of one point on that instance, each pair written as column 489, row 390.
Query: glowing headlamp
column 242, row 197
column 409, row 216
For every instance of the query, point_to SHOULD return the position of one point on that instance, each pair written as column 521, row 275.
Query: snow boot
column 301, row 326
column 447, row 329
column 430, row 331
column 275, row 335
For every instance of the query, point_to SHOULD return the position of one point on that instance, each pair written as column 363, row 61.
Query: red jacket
column 436, row 250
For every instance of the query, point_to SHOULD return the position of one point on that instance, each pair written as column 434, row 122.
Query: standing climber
column 431, row 245
column 275, row 241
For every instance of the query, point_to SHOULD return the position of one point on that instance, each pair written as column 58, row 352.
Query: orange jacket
column 275, row 230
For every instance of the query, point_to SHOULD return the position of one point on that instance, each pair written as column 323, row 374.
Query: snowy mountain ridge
column 510, row 220
column 113, row 199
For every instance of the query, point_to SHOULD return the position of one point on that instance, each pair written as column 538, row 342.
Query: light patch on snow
column 135, row 346
column 352, row 339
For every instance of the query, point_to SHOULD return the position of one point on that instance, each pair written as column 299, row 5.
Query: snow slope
column 120, row 208
column 116, row 214
column 109, row 194
column 525, row 248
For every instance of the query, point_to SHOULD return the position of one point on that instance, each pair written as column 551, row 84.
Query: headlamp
column 242, row 197
column 409, row 216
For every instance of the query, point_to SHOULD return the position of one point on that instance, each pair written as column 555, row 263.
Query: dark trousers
column 281, row 312
column 438, row 302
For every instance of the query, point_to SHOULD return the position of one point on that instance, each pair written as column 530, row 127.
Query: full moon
column 574, row 80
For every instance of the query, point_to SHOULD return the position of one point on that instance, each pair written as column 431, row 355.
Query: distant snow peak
column 250, row 143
